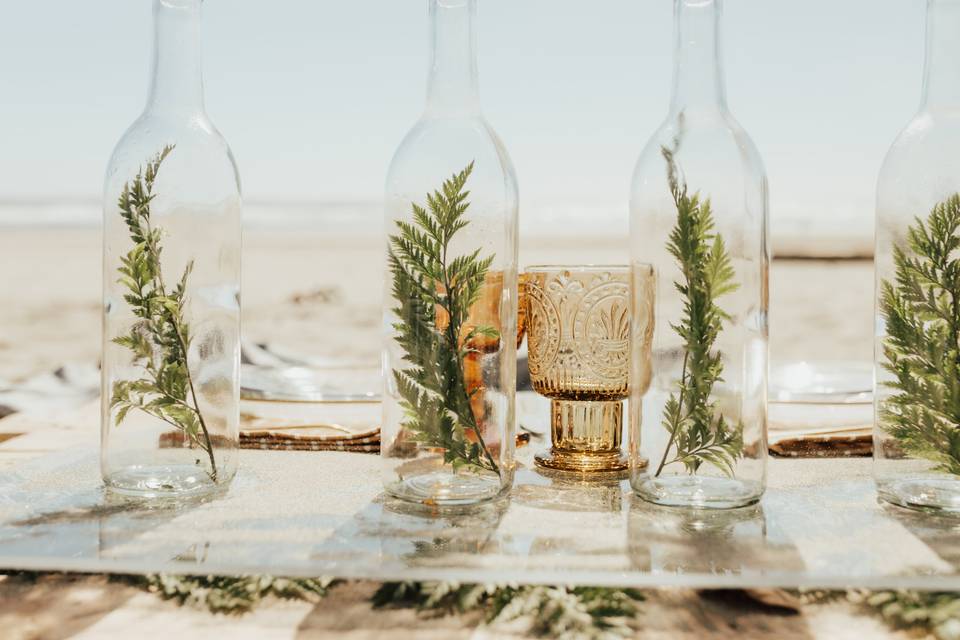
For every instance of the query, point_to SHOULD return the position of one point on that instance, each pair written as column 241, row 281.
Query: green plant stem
column 698, row 429
column 196, row 403
column 160, row 340
column 453, row 337
column 462, row 387
column 184, row 348
column 673, row 433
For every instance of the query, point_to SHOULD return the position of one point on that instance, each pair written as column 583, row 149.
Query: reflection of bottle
column 916, row 372
column 171, row 358
column 400, row 534
column 571, row 492
column 427, row 533
column 451, row 296
column 121, row 537
column 699, row 217
column 732, row 541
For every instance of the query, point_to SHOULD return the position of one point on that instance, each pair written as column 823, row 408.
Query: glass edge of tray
column 401, row 573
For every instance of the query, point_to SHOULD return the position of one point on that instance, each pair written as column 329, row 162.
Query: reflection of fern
column 922, row 348
column 429, row 285
column 697, row 429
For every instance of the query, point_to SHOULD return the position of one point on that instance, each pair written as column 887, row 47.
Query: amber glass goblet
column 578, row 335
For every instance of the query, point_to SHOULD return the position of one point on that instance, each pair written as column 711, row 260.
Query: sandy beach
column 319, row 294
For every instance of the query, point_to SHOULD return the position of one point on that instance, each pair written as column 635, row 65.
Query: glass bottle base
column 698, row 492
column 166, row 481
column 442, row 488
column 925, row 492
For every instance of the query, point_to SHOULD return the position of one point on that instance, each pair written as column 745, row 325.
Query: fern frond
column 428, row 284
column 921, row 309
column 699, row 433
column 161, row 339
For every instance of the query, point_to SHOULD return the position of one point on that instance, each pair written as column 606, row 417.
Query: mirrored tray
column 822, row 382
column 309, row 384
column 302, row 513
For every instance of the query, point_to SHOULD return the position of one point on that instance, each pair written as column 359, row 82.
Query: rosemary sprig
column 936, row 612
column 557, row 612
column 922, row 346
column 434, row 293
column 232, row 595
column 698, row 431
column 160, row 339
column 553, row 612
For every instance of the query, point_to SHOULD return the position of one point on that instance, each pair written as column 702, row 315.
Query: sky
column 314, row 95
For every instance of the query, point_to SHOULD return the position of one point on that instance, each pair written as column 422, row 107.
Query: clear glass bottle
column 916, row 438
column 699, row 218
column 450, row 308
column 171, row 278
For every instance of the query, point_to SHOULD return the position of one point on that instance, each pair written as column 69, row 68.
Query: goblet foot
column 582, row 461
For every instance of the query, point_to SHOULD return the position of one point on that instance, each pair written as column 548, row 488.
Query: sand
column 319, row 294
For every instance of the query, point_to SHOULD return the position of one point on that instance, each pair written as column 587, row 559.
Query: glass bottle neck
column 452, row 86
column 177, row 85
column 697, row 69
column 941, row 73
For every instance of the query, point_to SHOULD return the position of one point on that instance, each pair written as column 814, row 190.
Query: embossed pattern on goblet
column 578, row 337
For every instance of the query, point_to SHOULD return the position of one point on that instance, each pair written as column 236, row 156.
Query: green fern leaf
column 161, row 339
column 698, row 431
column 428, row 283
column 921, row 308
